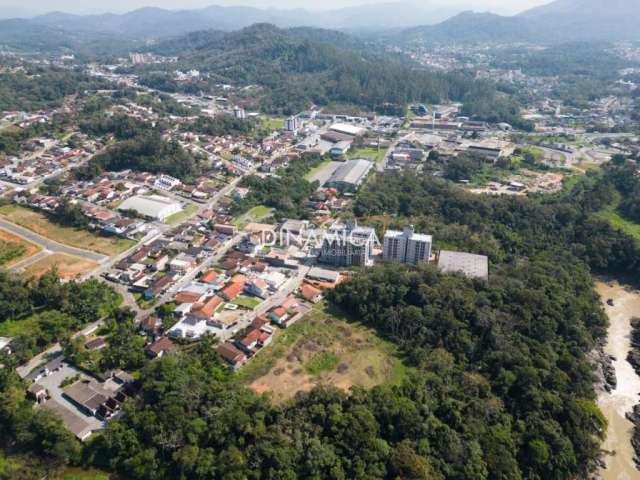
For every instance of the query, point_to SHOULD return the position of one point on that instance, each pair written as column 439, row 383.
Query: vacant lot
column 322, row 348
column 247, row 302
column 371, row 153
column 189, row 211
column 79, row 238
column 11, row 243
column 68, row 267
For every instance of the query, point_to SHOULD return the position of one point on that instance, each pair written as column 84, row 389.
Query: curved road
column 50, row 245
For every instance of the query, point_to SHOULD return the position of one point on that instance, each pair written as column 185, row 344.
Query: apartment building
column 407, row 246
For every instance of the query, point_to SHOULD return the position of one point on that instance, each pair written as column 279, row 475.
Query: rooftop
column 471, row 265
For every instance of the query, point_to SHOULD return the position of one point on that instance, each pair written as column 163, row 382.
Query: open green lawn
column 312, row 173
column 273, row 123
column 256, row 214
column 188, row 211
column 247, row 302
column 259, row 212
column 371, row 153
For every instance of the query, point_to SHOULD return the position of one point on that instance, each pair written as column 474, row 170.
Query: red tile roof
column 206, row 309
column 309, row 292
column 163, row 344
column 187, row 297
column 231, row 353
column 209, row 277
column 232, row 290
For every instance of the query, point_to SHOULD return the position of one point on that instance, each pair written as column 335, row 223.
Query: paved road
column 51, row 245
column 28, row 261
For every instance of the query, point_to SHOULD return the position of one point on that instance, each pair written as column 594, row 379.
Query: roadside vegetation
column 75, row 237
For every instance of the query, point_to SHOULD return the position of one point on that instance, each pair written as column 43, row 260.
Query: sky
column 30, row 7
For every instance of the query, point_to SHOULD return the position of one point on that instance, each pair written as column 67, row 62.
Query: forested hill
column 301, row 66
column 558, row 22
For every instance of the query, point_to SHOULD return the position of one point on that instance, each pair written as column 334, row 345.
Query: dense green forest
column 300, row 67
column 46, row 310
column 39, row 88
column 220, row 125
column 507, row 228
column 147, row 152
column 286, row 192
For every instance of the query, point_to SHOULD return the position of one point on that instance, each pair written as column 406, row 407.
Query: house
column 51, row 367
column 206, row 310
column 158, row 286
column 256, row 339
column 38, row 393
column 87, row 396
column 182, row 263
column 225, row 229
column 231, row 355
column 311, row 293
column 160, row 347
column 96, row 344
column 232, row 290
column 257, row 287
column 151, row 325
column 279, row 316
column 187, row 297
column 211, row 277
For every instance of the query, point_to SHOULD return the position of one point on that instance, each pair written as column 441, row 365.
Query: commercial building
column 491, row 150
column 407, row 246
column 348, row 245
column 472, row 266
column 349, row 177
column 346, row 129
column 154, row 207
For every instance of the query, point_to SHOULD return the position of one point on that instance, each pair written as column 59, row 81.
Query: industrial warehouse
column 349, row 177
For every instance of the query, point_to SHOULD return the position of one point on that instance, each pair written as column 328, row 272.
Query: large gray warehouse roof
column 352, row 172
column 474, row 266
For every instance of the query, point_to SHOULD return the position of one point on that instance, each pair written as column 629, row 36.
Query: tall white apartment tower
column 407, row 246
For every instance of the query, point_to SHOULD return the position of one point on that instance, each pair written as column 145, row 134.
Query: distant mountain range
column 157, row 22
column 556, row 22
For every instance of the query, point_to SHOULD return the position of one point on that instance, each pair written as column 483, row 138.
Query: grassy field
column 314, row 171
column 10, row 240
column 247, row 302
column 322, row 348
column 79, row 238
column 610, row 215
column 68, row 266
column 273, row 123
column 189, row 211
column 371, row 153
column 256, row 214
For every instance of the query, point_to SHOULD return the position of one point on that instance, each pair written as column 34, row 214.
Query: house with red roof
column 232, row 290
column 234, row 357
